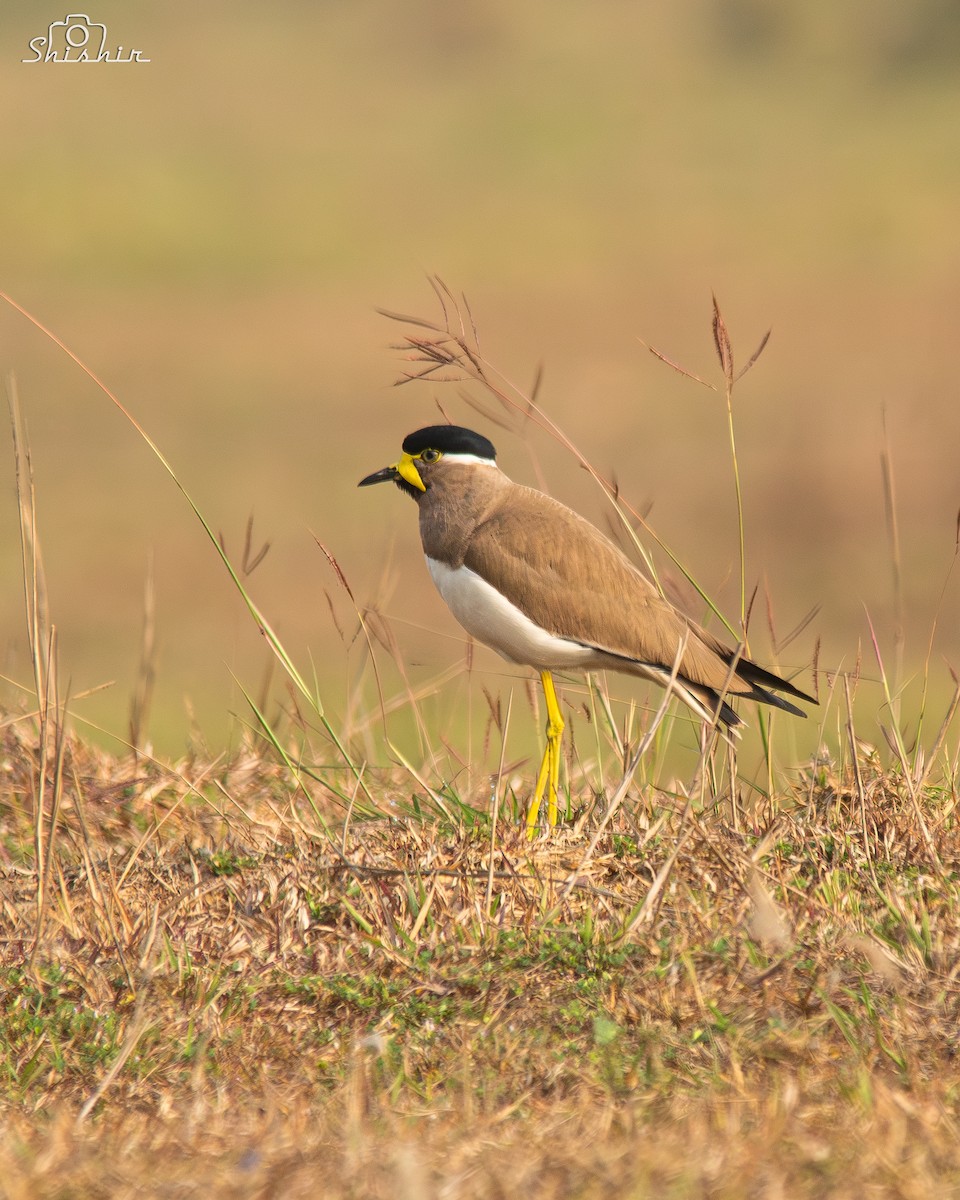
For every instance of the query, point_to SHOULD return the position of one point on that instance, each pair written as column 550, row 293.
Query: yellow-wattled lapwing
column 530, row 578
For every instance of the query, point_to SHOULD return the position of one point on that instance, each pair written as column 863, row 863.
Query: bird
column 540, row 585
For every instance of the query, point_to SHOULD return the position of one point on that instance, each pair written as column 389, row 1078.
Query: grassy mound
column 218, row 985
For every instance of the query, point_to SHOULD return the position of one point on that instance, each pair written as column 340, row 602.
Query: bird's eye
column 430, row 455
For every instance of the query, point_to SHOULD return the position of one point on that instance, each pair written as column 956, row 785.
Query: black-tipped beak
column 387, row 475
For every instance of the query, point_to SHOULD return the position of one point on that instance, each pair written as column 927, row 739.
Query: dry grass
column 290, row 973
column 224, row 996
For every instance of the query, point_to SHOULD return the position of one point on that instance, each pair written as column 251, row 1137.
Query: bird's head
column 427, row 451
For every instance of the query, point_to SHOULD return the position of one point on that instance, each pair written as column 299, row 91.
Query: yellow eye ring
column 430, row 455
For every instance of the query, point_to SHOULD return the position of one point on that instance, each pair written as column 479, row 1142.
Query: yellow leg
column 549, row 775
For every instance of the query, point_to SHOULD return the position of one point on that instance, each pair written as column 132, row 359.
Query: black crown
column 449, row 439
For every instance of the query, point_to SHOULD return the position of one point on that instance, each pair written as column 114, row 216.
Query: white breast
column 493, row 620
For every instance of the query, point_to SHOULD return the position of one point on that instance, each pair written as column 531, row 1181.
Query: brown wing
column 571, row 580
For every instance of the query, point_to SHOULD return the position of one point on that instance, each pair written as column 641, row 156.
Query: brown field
column 287, row 971
column 221, row 983
column 211, row 232
column 268, row 927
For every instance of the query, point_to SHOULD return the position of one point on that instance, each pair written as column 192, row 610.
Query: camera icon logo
column 81, row 39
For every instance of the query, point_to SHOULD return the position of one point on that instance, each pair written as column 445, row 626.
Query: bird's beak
column 405, row 469
column 387, row 475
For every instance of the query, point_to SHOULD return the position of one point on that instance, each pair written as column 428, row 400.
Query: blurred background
column 211, row 232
